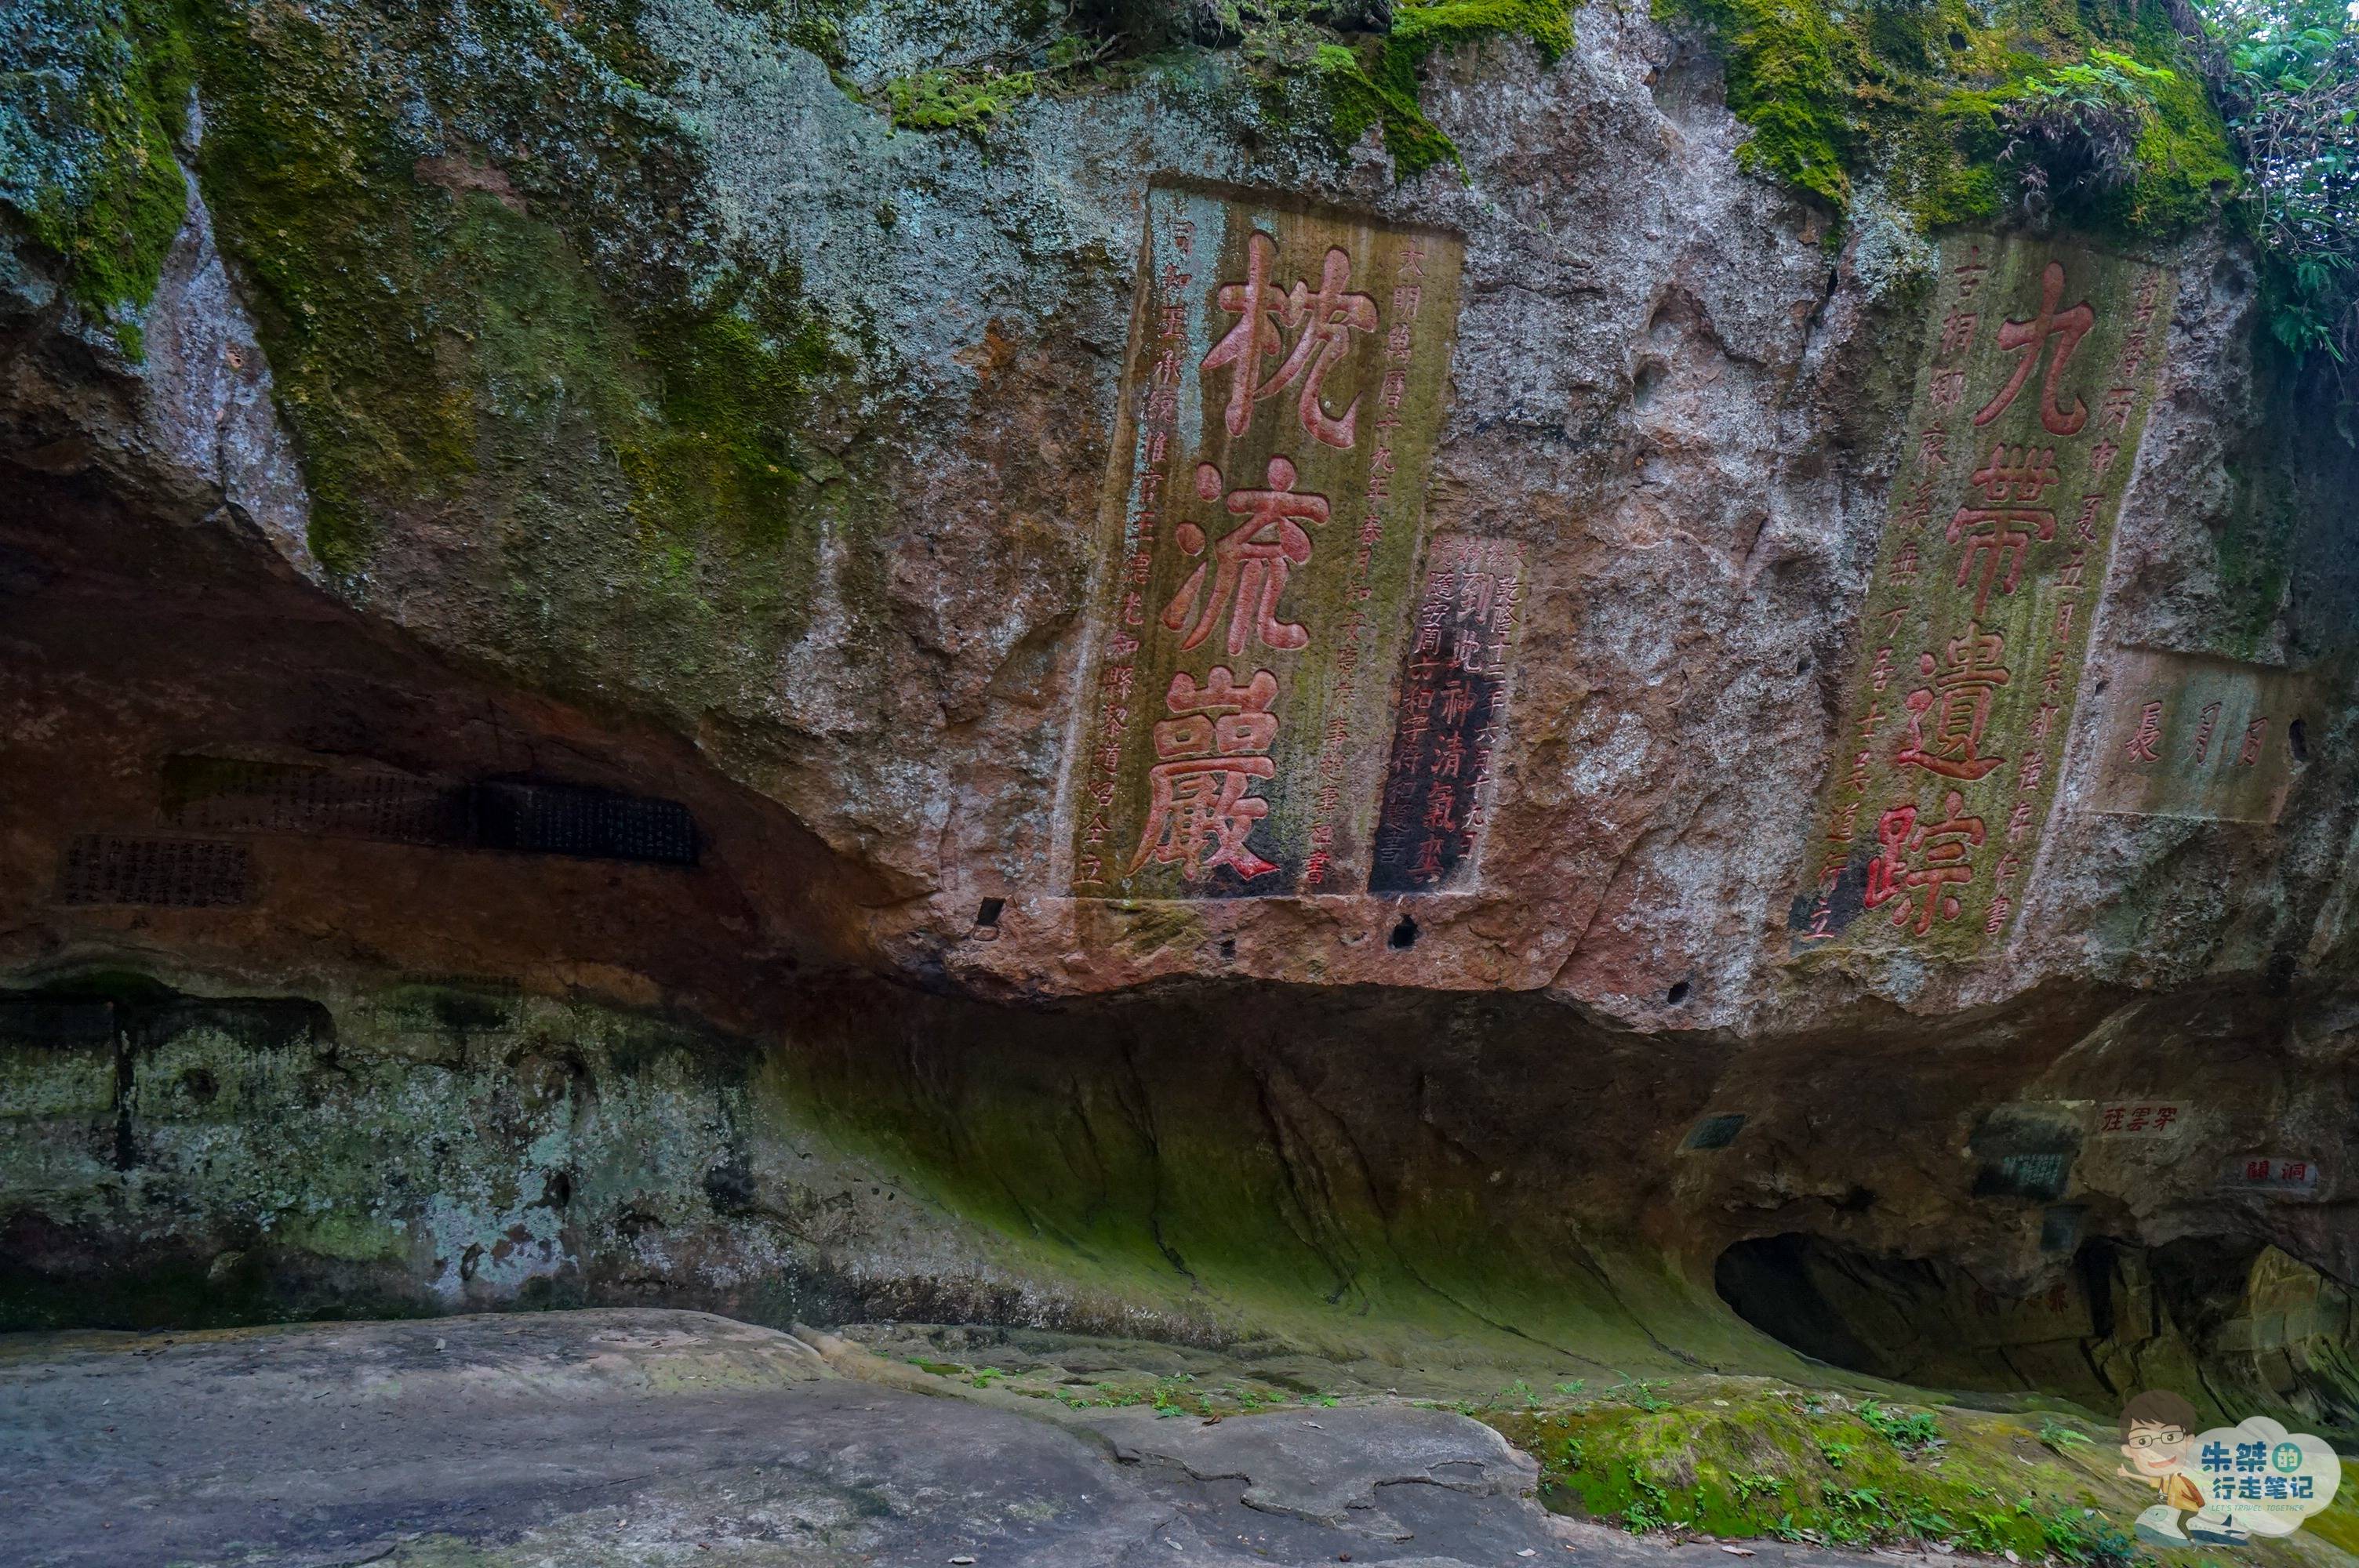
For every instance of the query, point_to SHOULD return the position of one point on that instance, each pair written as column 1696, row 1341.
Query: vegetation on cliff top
column 496, row 256
column 2030, row 109
column 2138, row 119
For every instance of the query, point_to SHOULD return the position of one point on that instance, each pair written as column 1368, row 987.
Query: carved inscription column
column 2041, row 361
column 1452, row 708
column 1283, row 393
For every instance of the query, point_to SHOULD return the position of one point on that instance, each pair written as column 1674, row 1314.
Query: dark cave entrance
column 2229, row 1321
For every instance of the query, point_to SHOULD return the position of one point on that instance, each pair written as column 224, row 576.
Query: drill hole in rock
column 1404, row 935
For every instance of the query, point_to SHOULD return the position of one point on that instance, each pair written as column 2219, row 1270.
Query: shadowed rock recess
column 1387, row 693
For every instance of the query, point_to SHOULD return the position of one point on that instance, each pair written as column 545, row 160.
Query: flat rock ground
column 629, row 1437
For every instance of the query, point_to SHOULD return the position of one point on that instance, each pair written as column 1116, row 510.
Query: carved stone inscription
column 1285, row 386
column 2188, row 736
column 2040, row 363
column 1452, row 708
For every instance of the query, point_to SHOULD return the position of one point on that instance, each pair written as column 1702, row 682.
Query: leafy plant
column 2287, row 75
column 2089, row 1539
column 2074, row 131
column 1912, row 1432
column 1643, row 1394
column 1834, row 1453
column 1649, row 1507
column 1516, row 1395
column 2055, row 1435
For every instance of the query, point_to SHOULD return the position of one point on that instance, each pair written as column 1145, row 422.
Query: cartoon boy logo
column 2158, row 1430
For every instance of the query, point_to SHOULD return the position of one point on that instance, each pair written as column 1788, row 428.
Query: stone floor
column 622, row 1437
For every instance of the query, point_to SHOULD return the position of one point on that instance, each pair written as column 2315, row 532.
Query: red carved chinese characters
column 1923, row 885
column 1218, row 745
column 1958, row 704
column 1978, row 627
column 1117, row 672
column 1250, row 563
column 2000, row 533
column 1322, row 322
column 2030, row 339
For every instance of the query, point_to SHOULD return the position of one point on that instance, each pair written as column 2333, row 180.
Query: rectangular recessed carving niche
column 2184, row 735
column 346, row 800
column 175, row 873
column 2037, row 364
column 1281, row 400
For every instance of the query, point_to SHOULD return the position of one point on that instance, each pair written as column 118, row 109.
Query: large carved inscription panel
column 1284, row 389
column 2038, row 365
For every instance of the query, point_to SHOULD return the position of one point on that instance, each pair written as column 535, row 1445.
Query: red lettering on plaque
column 1943, row 848
column 1968, row 675
column 1323, row 321
column 2030, row 338
column 1250, row 562
column 1208, row 755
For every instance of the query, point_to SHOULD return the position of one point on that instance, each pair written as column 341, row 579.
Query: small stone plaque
column 589, row 824
column 179, row 874
column 346, row 800
column 2026, row 1150
column 1452, row 711
column 2273, row 1174
column 2140, row 1119
column 231, row 794
column 2188, row 736
column 1286, row 374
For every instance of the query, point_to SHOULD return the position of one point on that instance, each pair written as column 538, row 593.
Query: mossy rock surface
column 1734, row 1457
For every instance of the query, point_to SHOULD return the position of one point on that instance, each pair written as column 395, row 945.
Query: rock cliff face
column 742, row 655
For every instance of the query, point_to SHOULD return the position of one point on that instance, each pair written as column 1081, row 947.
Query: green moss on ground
column 93, row 96
column 1919, row 100
column 1741, row 1456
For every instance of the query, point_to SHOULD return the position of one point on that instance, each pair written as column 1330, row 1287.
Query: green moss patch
column 1742, row 1457
column 1376, row 85
column 91, row 97
column 1935, row 103
column 447, row 328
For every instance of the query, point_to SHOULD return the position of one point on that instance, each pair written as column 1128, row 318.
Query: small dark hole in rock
column 198, row 1086
column 1957, row 40
column 1678, row 994
column 1803, row 665
column 2100, row 688
column 987, row 912
column 1859, row 1200
column 2298, row 736
column 1228, row 947
column 1404, row 935
column 558, row 1191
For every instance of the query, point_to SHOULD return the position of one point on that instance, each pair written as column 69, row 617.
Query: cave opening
column 2258, row 1328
